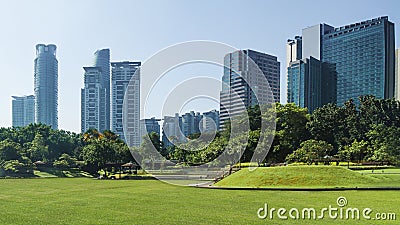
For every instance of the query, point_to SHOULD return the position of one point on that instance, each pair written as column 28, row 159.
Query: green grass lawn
column 89, row 201
column 310, row 176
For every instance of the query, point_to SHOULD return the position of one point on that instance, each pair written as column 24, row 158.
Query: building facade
column 397, row 75
column 311, row 83
column 93, row 101
column 360, row 54
column 148, row 126
column 176, row 129
column 131, row 111
column 23, row 110
column 237, row 94
column 46, row 85
column 190, row 123
column 171, row 130
column 121, row 75
column 293, row 50
column 102, row 60
column 210, row 121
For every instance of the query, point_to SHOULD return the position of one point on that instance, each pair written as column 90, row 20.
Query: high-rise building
column 93, row 101
column 121, row 75
column 397, row 75
column 236, row 92
column 311, row 83
column 360, row 54
column 176, row 129
column 46, row 85
column 210, row 121
column 23, row 110
column 190, row 123
column 148, row 126
column 171, row 130
column 102, row 60
column 293, row 50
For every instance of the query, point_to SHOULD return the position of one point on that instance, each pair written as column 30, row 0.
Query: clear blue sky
column 134, row 30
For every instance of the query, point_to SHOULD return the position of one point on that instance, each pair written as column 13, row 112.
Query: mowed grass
column 88, row 201
column 309, row 176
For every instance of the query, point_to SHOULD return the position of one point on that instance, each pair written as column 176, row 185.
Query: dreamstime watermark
column 340, row 211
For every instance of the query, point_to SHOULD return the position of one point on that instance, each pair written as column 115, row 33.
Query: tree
column 291, row 130
column 38, row 151
column 356, row 151
column 328, row 124
column 385, row 144
column 9, row 150
column 311, row 151
column 102, row 149
column 65, row 161
column 375, row 111
column 98, row 154
column 92, row 135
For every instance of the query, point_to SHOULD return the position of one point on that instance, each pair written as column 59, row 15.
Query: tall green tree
column 38, row 150
column 328, row 123
column 385, row 144
column 291, row 130
column 102, row 149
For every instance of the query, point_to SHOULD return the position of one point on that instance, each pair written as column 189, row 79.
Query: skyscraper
column 210, row 121
column 46, row 85
column 23, row 110
column 190, row 123
column 237, row 66
column 148, row 126
column 102, row 60
column 93, row 101
column 293, row 50
column 397, row 75
column 171, row 130
column 311, row 83
column 177, row 129
column 361, row 55
column 121, row 74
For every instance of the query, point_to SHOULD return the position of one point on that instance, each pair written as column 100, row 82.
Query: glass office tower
column 236, row 93
column 361, row 56
column 46, row 85
column 23, row 110
column 311, row 83
column 102, row 60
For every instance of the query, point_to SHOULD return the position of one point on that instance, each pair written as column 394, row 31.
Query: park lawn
column 89, row 201
column 308, row 176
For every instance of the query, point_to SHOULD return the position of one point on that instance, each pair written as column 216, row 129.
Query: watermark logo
column 148, row 78
column 340, row 211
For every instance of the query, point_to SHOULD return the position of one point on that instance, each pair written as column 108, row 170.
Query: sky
column 135, row 30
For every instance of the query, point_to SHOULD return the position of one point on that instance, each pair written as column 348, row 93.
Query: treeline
column 22, row 149
column 370, row 132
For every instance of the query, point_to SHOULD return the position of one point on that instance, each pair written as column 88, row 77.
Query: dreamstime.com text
column 340, row 211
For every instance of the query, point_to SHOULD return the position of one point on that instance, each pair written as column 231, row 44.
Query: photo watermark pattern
column 192, row 52
column 340, row 211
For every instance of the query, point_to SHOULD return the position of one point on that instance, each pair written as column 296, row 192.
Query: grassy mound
column 306, row 176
